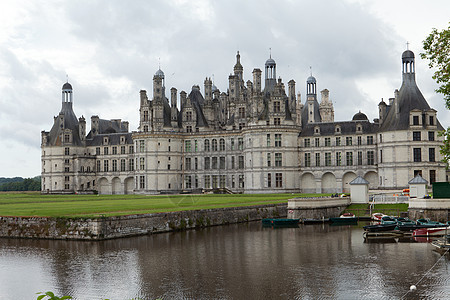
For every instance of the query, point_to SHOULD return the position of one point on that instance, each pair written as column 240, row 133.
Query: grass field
column 387, row 209
column 35, row 204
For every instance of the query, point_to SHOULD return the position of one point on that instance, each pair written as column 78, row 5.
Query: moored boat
column 280, row 222
column 377, row 216
column 346, row 218
column 433, row 231
column 380, row 227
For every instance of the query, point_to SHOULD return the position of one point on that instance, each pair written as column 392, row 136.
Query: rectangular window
column 338, row 141
column 232, row 143
column 417, row 154
column 317, row 159
column 105, row 150
column 233, row 183
column 348, row 141
column 349, row 158
column 222, row 181
column 277, row 140
column 66, row 151
column 307, row 159
column 278, row 159
column 241, row 112
column 240, row 143
column 66, row 138
column 142, row 182
column 232, row 162
column 131, row 149
column 307, row 143
column 206, row 145
column 222, row 162
column 188, row 182
column 431, row 135
column 369, row 140
column 195, row 146
column 187, row 163
column 106, row 166
column 114, row 165
column 66, row 178
column 241, row 162
column 359, row 140
column 276, row 121
column 432, row 176
column 431, row 120
column 327, row 142
column 416, row 135
column 360, row 158
column 189, row 128
column 328, row 159
column 276, row 107
column 214, row 163
column 187, row 146
column 431, row 154
column 316, row 142
column 269, row 180
column 279, row 180
column 141, row 163
column 241, row 181
column 268, row 140
column 97, row 151
column 196, row 163
column 207, row 160
column 269, row 159
column 370, row 158
column 122, row 165
column 415, row 120
column 338, row 158
column 98, row 166
column 142, row 146
column 131, row 164
column 214, row 182
column 114, row 150
column 207, row 181
column 381, row 156
column 122, row 149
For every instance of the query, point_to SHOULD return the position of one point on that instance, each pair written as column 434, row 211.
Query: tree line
column 20, row 184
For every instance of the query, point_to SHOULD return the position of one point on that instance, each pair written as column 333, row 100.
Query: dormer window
column 316, row 130
column 415, row 120
column 337, row 129
column 105, row 141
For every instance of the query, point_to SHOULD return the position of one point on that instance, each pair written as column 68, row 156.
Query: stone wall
column 124, row 226
column 316, row 208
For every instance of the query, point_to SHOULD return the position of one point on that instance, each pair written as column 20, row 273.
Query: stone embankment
column 132, row 225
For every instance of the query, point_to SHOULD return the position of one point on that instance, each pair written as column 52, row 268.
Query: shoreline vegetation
column 90, row 206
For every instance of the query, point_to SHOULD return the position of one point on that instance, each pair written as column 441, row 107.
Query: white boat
column 377, row 216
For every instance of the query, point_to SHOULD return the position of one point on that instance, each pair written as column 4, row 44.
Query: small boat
column 433, row 231
column 280, row 222
column 315, row 221
column 388, row 220
column 346, row 218
column 377, row 216
column 424, row 221
column 380, row 227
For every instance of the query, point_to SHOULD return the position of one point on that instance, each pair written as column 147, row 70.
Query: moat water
column 244, row 261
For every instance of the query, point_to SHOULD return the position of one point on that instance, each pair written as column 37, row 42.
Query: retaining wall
column 125, row 226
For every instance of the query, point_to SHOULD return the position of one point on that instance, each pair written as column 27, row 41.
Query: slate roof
column 346, row 128
column 418, row 180
column 316, row 112
column 359, row 181
column 114, row 139
column 197, row 101
column 70, row 121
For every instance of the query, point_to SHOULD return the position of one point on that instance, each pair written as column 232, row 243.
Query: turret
column 257, row 80
column 82, row 129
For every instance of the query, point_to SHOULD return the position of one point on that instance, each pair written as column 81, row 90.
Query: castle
column 249, row 139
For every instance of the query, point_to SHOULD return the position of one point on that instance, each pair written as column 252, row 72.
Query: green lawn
column 387, row 209
column 29, row 204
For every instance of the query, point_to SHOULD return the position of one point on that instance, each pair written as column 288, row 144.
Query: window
column 268, row 140
column 317, row 159
column 278, row 159
column 278, row 180
column 145, row 128
column 141, row 146
column 269, row 180
column 66, row 178
column 207, row 161
column 188, row 182
column 214, row 145
column 338, row 141
column 370, row 140
column 241, row 125
column 269, row 160
column 98, row 166
column 66, row 151
column 114, row 150
column 122, row 149
column 276, row 121
column 348, row 141
column 141, row 163
column 233, row 183
column 240, row 143
column 360, row 158
column 66, row 169
column 145, row 115
column 431, row 155
column 317, row 142
column 105, row 165
column 196, row 181
column 417, row 154
column 222, row 162
column 431, row 135
column 416, row 135
column 432, row 176
column 188, row 128
column 307, row 143
column 187, row 163
column 359, row 140
column 122, row 165
column 370, row 158
column 105, row 150
column 214, row 181
column 241, row 112
column 195, row 146
column 381, row 156
column 206, row 145
column 189, row 116
column 66, row 138
column 221, row 145
column 207, row 181
column 114, row 165
column 67, row 186
column 131, row 149
column 187, row 146
column 142, row 182
column 131, row 164
column 349, row 158
column 214, row 163
column 241, row 162
column 431, row 120
column 277, row 140
column 232, row 143
column 415, row 120
column 232, row 162
column 222, row 181
column 241, row 181
column 327, row 142
column 338, row 158
column 97, row 151
column 307, row 159
column 196, row 163
column 276, row 107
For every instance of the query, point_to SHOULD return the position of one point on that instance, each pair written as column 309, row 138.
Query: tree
column 437, row 51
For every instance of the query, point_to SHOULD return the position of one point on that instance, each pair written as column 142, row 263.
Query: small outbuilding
column 417, row 187
column 359, row 190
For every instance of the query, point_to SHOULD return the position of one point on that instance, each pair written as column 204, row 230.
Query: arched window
column 221, row 145
column 214, row 145
column 206, row 145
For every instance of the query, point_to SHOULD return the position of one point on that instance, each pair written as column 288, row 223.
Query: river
column 243, row 261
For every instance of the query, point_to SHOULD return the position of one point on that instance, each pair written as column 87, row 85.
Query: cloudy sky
column 110, row 50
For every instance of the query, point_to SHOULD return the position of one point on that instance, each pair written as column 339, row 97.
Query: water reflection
column 228, row 262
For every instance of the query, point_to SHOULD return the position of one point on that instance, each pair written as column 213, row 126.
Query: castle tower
column 238, row 69
column 326, row 107
column 271, row 74
column 257, row 80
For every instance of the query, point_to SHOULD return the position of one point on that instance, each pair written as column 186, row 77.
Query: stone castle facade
column 249, row 139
